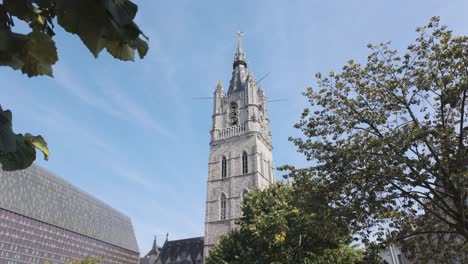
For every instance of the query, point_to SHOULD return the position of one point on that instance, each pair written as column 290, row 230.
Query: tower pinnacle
column 219, row 87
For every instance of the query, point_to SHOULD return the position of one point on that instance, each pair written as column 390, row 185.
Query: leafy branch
column 99, row 24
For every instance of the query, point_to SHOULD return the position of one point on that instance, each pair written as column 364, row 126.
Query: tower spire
column 239, row 58
column 239, row 72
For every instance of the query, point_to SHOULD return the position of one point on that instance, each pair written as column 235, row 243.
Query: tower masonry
column 240, row 149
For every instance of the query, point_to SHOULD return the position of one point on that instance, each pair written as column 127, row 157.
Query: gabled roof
column 180, row 251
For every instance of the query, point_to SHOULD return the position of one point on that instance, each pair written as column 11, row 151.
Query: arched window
column 222, row 200
column 223, row 167
column 244, row 163
column 262, row 166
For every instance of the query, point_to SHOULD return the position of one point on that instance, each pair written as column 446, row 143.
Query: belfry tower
column 240, row 149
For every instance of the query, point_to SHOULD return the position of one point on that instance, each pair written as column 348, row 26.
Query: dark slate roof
column 182, row 250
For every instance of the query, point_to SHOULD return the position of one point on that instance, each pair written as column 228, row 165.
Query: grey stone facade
column 240, row 149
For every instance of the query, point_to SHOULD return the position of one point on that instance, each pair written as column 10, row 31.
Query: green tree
column 435, row 247
column 99, row 24
column 388, row 138
column 87, row 260
column 280, row 225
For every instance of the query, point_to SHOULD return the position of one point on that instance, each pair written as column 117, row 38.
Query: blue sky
column 130, row 134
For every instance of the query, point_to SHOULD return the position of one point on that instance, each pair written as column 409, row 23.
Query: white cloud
column 110, row 157
column 112, row 101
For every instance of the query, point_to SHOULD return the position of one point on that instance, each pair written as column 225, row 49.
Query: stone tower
column 240, row 149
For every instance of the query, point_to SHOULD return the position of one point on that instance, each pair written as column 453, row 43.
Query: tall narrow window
column 269, row 171
column 244, row 163
column 223, row 168
column 262, row 166
column 223, row 206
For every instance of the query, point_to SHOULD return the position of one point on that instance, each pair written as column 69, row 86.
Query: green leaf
column 7, row 142
column 103, row 23
column 39, row 54
column 120, row 50
column 39, row 143
column 22, row 9
column 11, row 45
column 141, row 46
column 21, row 158
column 34, row 53
column 17, row 151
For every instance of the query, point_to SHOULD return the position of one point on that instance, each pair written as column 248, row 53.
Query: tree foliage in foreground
column 388, row 138
column 99, row 24
column 280, row 225
column 87, row 260
column 18, row 151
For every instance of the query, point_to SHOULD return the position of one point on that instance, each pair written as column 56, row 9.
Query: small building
column 152, row 255
column 182, row 251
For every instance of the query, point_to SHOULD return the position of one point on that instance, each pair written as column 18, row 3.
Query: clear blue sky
column 130, row 134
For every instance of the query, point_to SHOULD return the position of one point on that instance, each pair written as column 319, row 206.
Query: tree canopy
column 99, row 24
column 280, row 225
column 87, row 260
column 388, row 138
